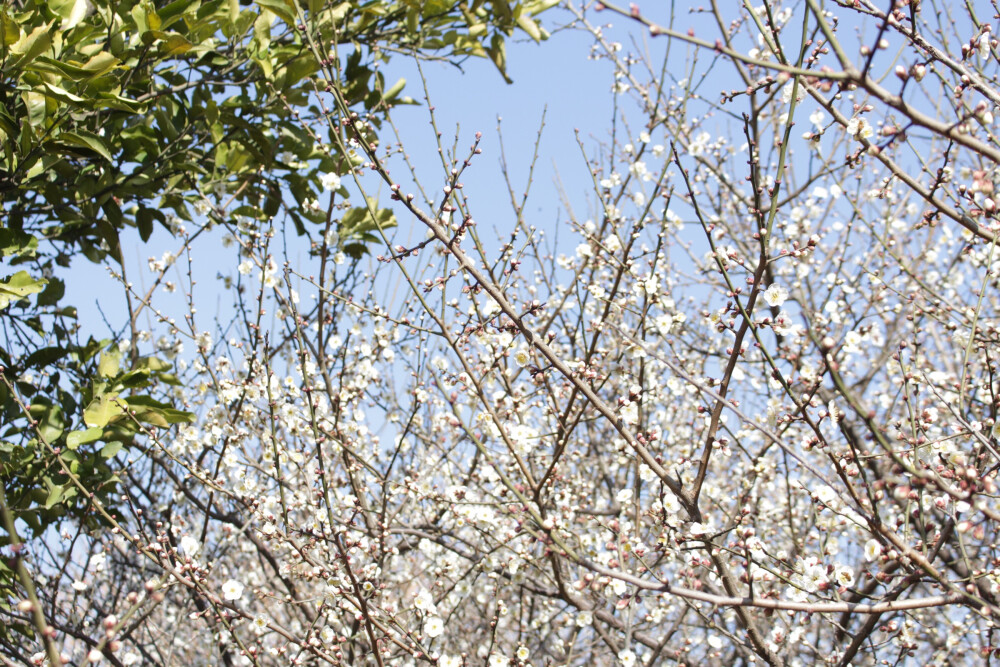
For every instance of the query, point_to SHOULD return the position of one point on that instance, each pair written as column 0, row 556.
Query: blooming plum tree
column 747, row 414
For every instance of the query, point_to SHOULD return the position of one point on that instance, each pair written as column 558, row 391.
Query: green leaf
column 51, row 295
column 45, row 356
column 284, row 9
column 102, row 410
column 61, row 94
column 529, row 26
column 144, row 218
column 396, row 89
column 14, row 243
column 49, row 418
column 359, row 220
column 86, row 140
column 110, row 362
column 30, row 46
column 9, row 33
column 54, row 496
column 497, row 51
column 18, row 286
column 100, row 63
column 151, row 411
column 110, row 234
column 35, row 103
column 119, row 103
column 175, row 10
column 154, row 364
column 77, row 438
column 111, row 449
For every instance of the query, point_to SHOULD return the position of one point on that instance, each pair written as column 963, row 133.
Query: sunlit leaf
column 18, row 286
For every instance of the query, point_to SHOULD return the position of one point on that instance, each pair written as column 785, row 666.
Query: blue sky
column 555, row 77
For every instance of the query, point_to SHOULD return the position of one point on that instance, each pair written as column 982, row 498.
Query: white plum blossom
column 844, row 576
column 232, row 590
column 190, row 546
column 792, row 86
column 873, row 549
column 775, row 295
column 330, row 181
column 433, row 627
column 860, row 128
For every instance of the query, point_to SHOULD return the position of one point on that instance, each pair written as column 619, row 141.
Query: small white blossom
column 433, row 627
column 190, row 546
column 775, row 295
column 330, row 181
column 860, row 128
column 844, row 576
column 232, row 590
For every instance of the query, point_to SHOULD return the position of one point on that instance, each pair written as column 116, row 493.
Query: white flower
column 260, row 622
column 611, row 181
column 783, row 325
column 671, row 503
column 859, row 128
column 697, row 528
column 817, row 118
column 522, row 653
column 433, row 627
column 425, row 602
column 98, row 562
column 826, row 495
column 872, row 550
column 584, row 618
column 232, row 590
column 626, row 658
column 844, row 576
column 775, row 295
column 330, row 181
column 190, row 546
column 497, row 660
column 984, row 45
column 522, row 357
column 786, row 92
column 630, row 413
column 852, row 342
column 715, row 641
column 700, row 143
column 450, row 661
